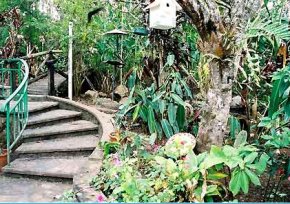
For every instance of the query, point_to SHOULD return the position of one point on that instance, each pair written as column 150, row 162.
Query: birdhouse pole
column 70, row 62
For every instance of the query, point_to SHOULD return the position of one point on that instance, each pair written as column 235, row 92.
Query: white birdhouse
column 163, row 14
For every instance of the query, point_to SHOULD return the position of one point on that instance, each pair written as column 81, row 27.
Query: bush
column 152, row 175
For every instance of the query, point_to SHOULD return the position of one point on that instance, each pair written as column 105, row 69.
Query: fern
column 274, row 30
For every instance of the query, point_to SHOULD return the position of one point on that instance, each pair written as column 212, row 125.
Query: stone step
column 64, row 168
column 74, row 128
column 69, row 144
column 30, row 190
column 38, row 107
column 49, row 118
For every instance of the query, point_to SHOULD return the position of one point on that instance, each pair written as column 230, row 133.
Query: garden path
column 56, row 144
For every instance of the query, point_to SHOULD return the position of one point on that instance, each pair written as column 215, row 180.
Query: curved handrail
column 15, row 105
column 21, row 85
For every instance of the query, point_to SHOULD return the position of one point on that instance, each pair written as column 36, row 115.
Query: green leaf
column 172, row 113
column 159, row 96
column 251, row 157
column 192, row 162
column 175, row 127
column 234, row 127
column 212, row 190
column 132, row 80
column 262, row 164
column 162, row 106
column 136, row 112
column 159, row 130
column 216, row 176
column 151, row 120
column 244, row 182
column 234, row 183
column 153, row 138
column 275, row 96
column 177, row 99
column 166, row 128
column 144, row 113
column 253, row 177
column 187, row 90
column 180, row 117
column 241, row 139
column 287, row 109
column 216, row 156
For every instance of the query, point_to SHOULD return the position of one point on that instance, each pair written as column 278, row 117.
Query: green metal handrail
column 14, row 107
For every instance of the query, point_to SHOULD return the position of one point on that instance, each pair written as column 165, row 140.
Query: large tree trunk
column 215, row 113
column 220, row 29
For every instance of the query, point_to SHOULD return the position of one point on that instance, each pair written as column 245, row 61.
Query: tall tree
column 221, row 25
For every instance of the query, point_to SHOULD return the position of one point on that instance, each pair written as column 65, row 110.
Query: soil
column 256, row 194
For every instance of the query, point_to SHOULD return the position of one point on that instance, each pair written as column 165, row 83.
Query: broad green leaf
column 158, row 96
column 235, row 185
column 143, row 113
column 179, row 90
column 151, row 120
column 172, row 113
column 265, row 122
column 215, row 157
column 241, row 139
column 234, row 127
column 166, row 128
column 180, row 117
column 175, row 127
column 216, row 176
column 251, row 157
column 287, row 109
column 192, row 162
column 275, row 98
column 132, row 80
column 230, row 151
column 177, row 99
column 162, row 106
column 253, row 177
column 212, row 190
column 262, row 164
column 244, row 182
column 159, row 130
column 233, row 161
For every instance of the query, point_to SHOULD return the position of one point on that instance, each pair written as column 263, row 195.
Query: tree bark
column 219, row 39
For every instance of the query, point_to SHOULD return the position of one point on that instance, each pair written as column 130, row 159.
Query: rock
column 123, row 100
column 180, row 145
column 103, row 95
column 92, row 95
column 122, row 91
column 107, row 103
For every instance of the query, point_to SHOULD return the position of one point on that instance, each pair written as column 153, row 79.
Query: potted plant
column 3, row 157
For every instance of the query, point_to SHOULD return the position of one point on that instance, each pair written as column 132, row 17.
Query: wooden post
column 70, row 62
column 51, row 87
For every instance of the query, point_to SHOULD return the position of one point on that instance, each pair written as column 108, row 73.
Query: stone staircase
column 56, row 144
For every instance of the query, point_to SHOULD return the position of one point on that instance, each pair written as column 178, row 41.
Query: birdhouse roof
column 158, row 2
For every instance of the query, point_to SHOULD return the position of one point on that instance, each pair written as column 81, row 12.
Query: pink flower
column 116, row 160
column 155, row 148
column 289, row 178
column 101, row 198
